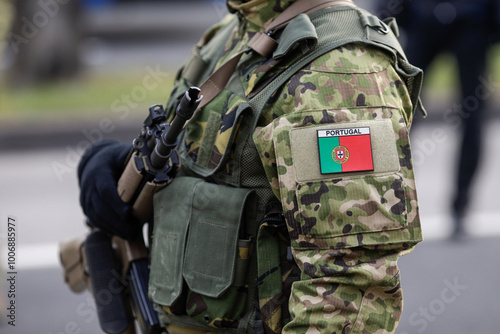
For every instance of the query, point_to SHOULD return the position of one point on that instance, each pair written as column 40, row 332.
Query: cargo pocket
column 342, row 182
column 199, row 244
column 352, row 205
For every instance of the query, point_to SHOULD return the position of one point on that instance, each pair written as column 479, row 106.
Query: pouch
column 369, row 201
column 276, row 272
column 72, row 259
column 199, row 245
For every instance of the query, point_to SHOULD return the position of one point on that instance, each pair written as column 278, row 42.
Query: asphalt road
column 449, row 287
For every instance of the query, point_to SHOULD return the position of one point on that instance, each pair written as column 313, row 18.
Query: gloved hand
column 98, row 173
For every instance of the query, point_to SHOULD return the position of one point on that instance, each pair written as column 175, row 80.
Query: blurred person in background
column 42, row 44
column 465, row 29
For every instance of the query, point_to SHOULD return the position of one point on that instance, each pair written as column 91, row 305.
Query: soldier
column 310, row 131
column 465, row 29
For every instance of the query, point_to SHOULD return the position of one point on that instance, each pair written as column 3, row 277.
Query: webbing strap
column 264, row 44
column 306, row 7
column 349, row 26
column 216, row 82
column 261, row 43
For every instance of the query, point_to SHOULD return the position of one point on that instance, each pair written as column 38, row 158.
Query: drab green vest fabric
column 196, row 233
column 171, row 216
column 197, row 241
column 299, row 32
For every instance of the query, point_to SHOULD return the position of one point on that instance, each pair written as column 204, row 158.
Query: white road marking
column 435, row 227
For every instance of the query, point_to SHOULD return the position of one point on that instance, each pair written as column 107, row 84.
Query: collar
column 258, row 12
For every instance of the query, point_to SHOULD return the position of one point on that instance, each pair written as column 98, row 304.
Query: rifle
column 154, row 161
column 119, row 269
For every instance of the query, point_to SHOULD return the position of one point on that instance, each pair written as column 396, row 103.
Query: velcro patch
column 361, row 147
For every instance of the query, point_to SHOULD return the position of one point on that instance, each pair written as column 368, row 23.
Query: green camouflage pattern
column 346, row 232
column 355, row 290
column 222, row 312
column 258, row 13
column 214, row 141
column 209, row 133
column 275, row 273
column 255, row 15
column 390, row 199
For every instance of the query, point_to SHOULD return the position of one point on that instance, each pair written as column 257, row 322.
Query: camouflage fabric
column 257, row 13
column 347, row 230
column 276, row 272
column 215, row 314
column 354, row 290
column 211, row 132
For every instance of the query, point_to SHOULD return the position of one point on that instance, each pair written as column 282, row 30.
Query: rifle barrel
column 168, row 141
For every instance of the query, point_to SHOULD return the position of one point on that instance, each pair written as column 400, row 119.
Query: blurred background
column 74, row 72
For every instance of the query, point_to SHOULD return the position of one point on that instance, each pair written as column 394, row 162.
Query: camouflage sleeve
column 337, row 153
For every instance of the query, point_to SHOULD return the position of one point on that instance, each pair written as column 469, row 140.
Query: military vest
column 219, row 253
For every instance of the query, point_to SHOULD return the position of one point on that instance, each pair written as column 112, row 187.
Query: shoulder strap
column 337, row 27
column 262, row 43
column 354, row 25
column 303, row 6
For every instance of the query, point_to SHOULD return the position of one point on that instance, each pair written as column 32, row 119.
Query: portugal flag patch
column 345, row 150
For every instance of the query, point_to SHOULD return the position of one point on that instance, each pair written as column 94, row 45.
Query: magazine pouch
column 200, row 253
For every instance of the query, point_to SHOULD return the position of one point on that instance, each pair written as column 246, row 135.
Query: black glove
column 98, row 173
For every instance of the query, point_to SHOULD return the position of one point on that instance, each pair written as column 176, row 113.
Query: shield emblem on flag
column 340, row 154
column 343, row 150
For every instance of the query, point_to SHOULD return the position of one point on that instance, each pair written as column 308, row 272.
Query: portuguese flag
column 345, row 150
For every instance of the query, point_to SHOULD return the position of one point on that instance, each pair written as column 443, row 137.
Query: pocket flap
column 212, row 244
column 172, row 212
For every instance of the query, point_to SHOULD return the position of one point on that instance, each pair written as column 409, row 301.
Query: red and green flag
column 345, row 150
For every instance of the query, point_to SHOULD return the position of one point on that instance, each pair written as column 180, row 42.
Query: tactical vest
column 217, row 265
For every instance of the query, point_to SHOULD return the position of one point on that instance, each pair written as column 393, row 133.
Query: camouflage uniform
column 347, row 231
